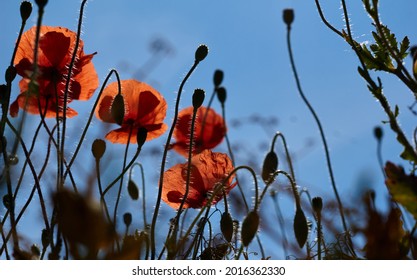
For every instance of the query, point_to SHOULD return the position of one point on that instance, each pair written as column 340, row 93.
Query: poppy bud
column 201, row 53
column 13, row 159
column 270, row 166
column 317, row 204
column 36, row 252
column 221, row 95
column 127, row 219
column 98, row 148
column 141, row 136
column 300, row 227
column 10, row 74
column 7, row 201
column 3, row 144
column 218, row 77
column 226, row 226
column 133, row 190
column 41, row 3
column 25, row 10
column 46, row 238
column 249, row 227
column 118, row 109
column 198, row 98
column 288, row 16
column 378, row 133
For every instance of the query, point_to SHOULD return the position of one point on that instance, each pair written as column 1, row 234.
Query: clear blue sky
column 247, row 41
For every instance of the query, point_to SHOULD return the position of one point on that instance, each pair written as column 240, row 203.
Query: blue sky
column 247, row 41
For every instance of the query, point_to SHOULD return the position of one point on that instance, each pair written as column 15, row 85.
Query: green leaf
column 404, row 46
column 402, row 187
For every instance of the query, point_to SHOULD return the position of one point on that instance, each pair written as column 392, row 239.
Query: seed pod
column 221, row 95
column 226, row 226
column 288, row 16
column 46, row 238
column 7, row 201
column 25, row 10
column 317, row 204
column 11, row 73
column 270, row 165
column 127, row 219
column 118, row 109
column 133, row 190
column 41, row 3
column 198, row 98
column 300, row 227
column 249, row 227
column 141, row 136
column 218, row 78
column 201, row 53
column 98, row 148
column 378, row 133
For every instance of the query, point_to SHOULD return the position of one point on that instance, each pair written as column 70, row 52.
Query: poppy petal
column 55, row 48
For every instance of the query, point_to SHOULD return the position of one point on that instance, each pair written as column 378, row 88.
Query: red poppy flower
column 206, row 136
column 208, row 169
column 55, row 52
column 144, row 107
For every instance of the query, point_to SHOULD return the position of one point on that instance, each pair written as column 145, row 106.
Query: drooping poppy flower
column 144, row 107
column 208, row 170
column 55, row 52
column 209, row 130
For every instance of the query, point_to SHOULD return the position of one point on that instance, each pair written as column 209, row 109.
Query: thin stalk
column 317, row 120
column 121, row 179
column 113, row 71
column 67, row 86
column 229, row 148
column 164, row 157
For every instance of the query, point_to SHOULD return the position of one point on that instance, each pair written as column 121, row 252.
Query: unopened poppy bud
column 201, row 53
column 378, row 133
column 98, row 148
column 3, row 144
column 221, row 95
column 269, row 166
column 41, row 3
column 249, row 227
column 8, row 201
column 288, row 16
column 25, row 10
column 36, row 252
column 141, row 136
column 218, row 77
column 11, row 73
column 317, row 204
column 226, row 226
column 133, row 190
column 46, row 238
column 300, row 227
column 198, row 98
column 118, row 109
column 127, row 219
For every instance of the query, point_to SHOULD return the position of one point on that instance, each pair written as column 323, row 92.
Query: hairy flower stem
column 67, row 86
column 119, row 192
column 188, row 178
column 287, row 153
column 229, row 148
column 142, row 173
column 164, row 157
column 316, row 118
column 84, row 133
